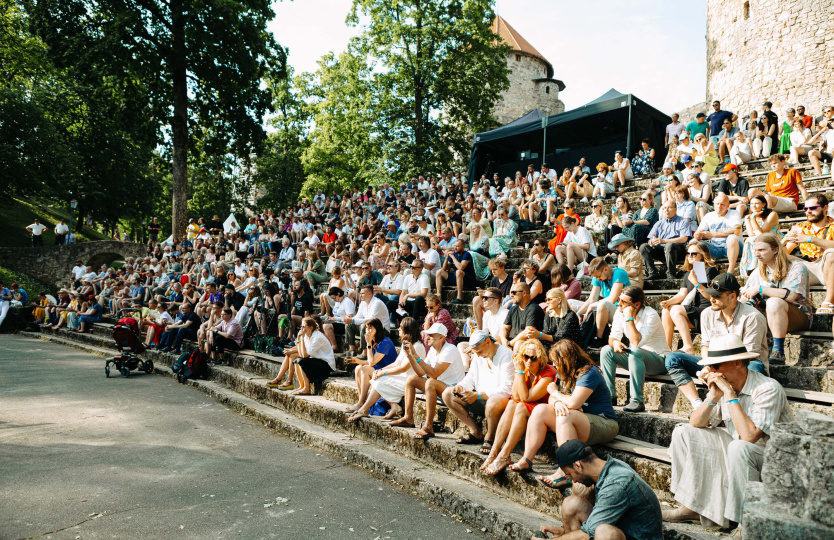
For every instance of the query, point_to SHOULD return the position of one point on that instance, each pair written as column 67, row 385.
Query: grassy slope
column 32, row 285
column 20, row 213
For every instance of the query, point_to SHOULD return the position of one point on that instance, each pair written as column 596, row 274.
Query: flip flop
column 469, row 439
column 827, row 308
column 517, row 469
column 401, row 423
column 422, row 435
column 553, row 483
column 497, row 466
column 486, row 448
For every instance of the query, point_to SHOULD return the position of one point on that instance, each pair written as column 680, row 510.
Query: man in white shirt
column 37, row 229
column 485, row 390
column 578, row 244
column 415, row 290
column 391, row 285
column 78, row 270
column 441, row 368
column 370, row 307
column 548, row 172
column 673, row 129
column 429, row 256
column 61, row 231
column 642, row 325
column 343, row 308
column 720, row 230
column 424, row 228
column 286, row 255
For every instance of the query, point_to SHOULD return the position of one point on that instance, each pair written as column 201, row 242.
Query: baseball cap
column 722, row 284
column 701, row 115
column 437, row 328
column 767, row 104
column 729, row 167
column 570, row 452
column 668, row 165
column 686, row 158
column 478, row 337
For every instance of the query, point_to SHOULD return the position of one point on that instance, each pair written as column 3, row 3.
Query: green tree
column 190, row 62
column 437, row 71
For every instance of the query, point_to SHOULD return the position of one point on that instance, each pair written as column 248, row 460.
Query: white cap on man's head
column 437, row 328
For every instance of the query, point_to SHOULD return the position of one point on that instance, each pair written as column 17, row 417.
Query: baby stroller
column 128, row 341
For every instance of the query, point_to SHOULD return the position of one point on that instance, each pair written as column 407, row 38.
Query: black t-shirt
column 469, row 271
column 504, row 287
column 153, row 229
column 217, row 224
column 407, row 259
column 532, row 315
column 701, row 301
column 237, row 300
column 195, row 321
column 740, row 189
column 303, row 303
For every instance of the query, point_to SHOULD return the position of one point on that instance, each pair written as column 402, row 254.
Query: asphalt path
column 85, row 457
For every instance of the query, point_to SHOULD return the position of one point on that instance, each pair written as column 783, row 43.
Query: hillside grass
column 31, row 285
column 19, row 213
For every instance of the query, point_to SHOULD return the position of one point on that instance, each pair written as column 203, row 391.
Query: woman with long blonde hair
column 779, row 287
column 683, row 311
column 579, row 407
column 533, row 374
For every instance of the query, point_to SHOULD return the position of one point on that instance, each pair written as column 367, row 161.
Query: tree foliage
column 434, row 70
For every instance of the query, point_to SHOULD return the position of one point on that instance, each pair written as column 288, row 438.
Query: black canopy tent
column 596, row 130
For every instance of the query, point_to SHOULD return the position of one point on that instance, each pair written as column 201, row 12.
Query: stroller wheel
column 125, row 371
column 148, row 366
column 107, row 371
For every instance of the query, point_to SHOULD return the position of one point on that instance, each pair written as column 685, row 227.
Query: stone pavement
column 144, row 457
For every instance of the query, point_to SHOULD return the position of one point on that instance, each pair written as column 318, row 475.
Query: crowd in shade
column 427, row 288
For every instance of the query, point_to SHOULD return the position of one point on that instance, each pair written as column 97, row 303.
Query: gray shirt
column 625, row 500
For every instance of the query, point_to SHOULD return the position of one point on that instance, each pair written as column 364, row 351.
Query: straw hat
column 726, row 348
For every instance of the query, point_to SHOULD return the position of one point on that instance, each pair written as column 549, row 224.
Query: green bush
column 31, row 285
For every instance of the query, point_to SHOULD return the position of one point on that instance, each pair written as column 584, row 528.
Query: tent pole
column 628, row 137
column 544, row 137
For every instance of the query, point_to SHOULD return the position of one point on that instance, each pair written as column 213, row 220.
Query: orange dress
column 547, row 371
column 561, row 233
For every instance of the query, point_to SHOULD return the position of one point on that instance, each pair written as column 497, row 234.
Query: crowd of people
column 384, row 257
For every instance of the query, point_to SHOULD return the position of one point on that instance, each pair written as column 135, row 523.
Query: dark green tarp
column 595, row 130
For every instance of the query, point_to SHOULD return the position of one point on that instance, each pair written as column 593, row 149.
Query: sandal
column 497, row 466
column 516, row 467
column 470, row 439
column 555, row 483
column 357, row 415
column 274, row 384
column 422, row 435
column 403, row 423
column 487, row 462
column 392, row 413
column 486, row 448
column 827, row 308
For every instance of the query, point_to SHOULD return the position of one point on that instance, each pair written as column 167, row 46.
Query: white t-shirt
column 674, row 129
column 550, row 174
column 582, row 236
column 648, row 324
column 494, row 323
column 448, row 354
column 430, row 256
column 61, row 228
column 497, row 381
column 345, row 308
column 714, row 223
column 37, row 228
column 416, row 286
column 798, row 138
column 78, row 271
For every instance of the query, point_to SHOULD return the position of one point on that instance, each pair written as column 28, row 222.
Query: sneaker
column 635, row 407
column 777, row 358
column 457, row 301
column 652, row 276
column 583, row 200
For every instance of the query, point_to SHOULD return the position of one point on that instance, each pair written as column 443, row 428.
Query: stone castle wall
column 525, row 95
column 770, row 50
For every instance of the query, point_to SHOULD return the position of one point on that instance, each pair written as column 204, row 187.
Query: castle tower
column 770, row 50
column 532, row 85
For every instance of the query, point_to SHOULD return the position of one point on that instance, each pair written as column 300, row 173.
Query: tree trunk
column 418, row 91
column 179, row 122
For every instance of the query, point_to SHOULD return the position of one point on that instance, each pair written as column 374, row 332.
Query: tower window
column 518, row 58
column 546, row 89
column 746, row 10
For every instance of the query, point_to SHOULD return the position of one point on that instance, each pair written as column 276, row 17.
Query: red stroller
column 128, row 340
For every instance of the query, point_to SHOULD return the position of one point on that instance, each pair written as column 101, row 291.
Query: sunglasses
column 812, row 208
column 513, row 293
column 490, row 297
column 536, row 244
column 594, row 206
column 714, row 285
column 692, row 253
column 643, row 199
column 530, row 357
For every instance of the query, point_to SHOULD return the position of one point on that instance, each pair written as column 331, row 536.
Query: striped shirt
column 763, row 400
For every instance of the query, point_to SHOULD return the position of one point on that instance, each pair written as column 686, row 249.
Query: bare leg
column 668, row 327
column 478, row 310
column 678, row 315
column 433, row 388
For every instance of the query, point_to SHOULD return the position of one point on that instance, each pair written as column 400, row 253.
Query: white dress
column 392, row 387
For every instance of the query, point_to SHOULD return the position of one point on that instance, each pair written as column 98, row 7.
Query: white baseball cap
column 437, row 328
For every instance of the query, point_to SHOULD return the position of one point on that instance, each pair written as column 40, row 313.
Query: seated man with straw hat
column 721, row 449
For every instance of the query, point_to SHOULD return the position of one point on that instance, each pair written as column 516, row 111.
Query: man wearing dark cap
column 726, row 316
column 699, row 125
column 735, row 187
column 625, row 507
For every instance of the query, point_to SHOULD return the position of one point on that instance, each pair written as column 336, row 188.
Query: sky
column 653, row 49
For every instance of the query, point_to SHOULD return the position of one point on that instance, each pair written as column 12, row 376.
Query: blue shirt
column 625, row 500
column 669, row 229
column 4, row 292
column 618, row 276
column 469, row 271
column 599, row 402
column 716, row 121
column 24, row 296
column 388, row 351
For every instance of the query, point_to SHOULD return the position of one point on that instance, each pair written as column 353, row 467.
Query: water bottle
column 826, row 170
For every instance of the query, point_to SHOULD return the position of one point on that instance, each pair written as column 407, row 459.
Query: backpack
column 194, row 367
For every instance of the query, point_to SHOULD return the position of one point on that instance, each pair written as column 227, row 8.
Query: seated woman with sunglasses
column 640, row 224
column 380, row 353
column 532, row 376
column 683, row 311
column 540, row 254
column 312, row 354
column 560, row 321
column 389, row 383
column 579, row 408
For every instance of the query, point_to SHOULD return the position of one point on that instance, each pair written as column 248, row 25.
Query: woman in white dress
column 621, row 169
column 389, row 383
